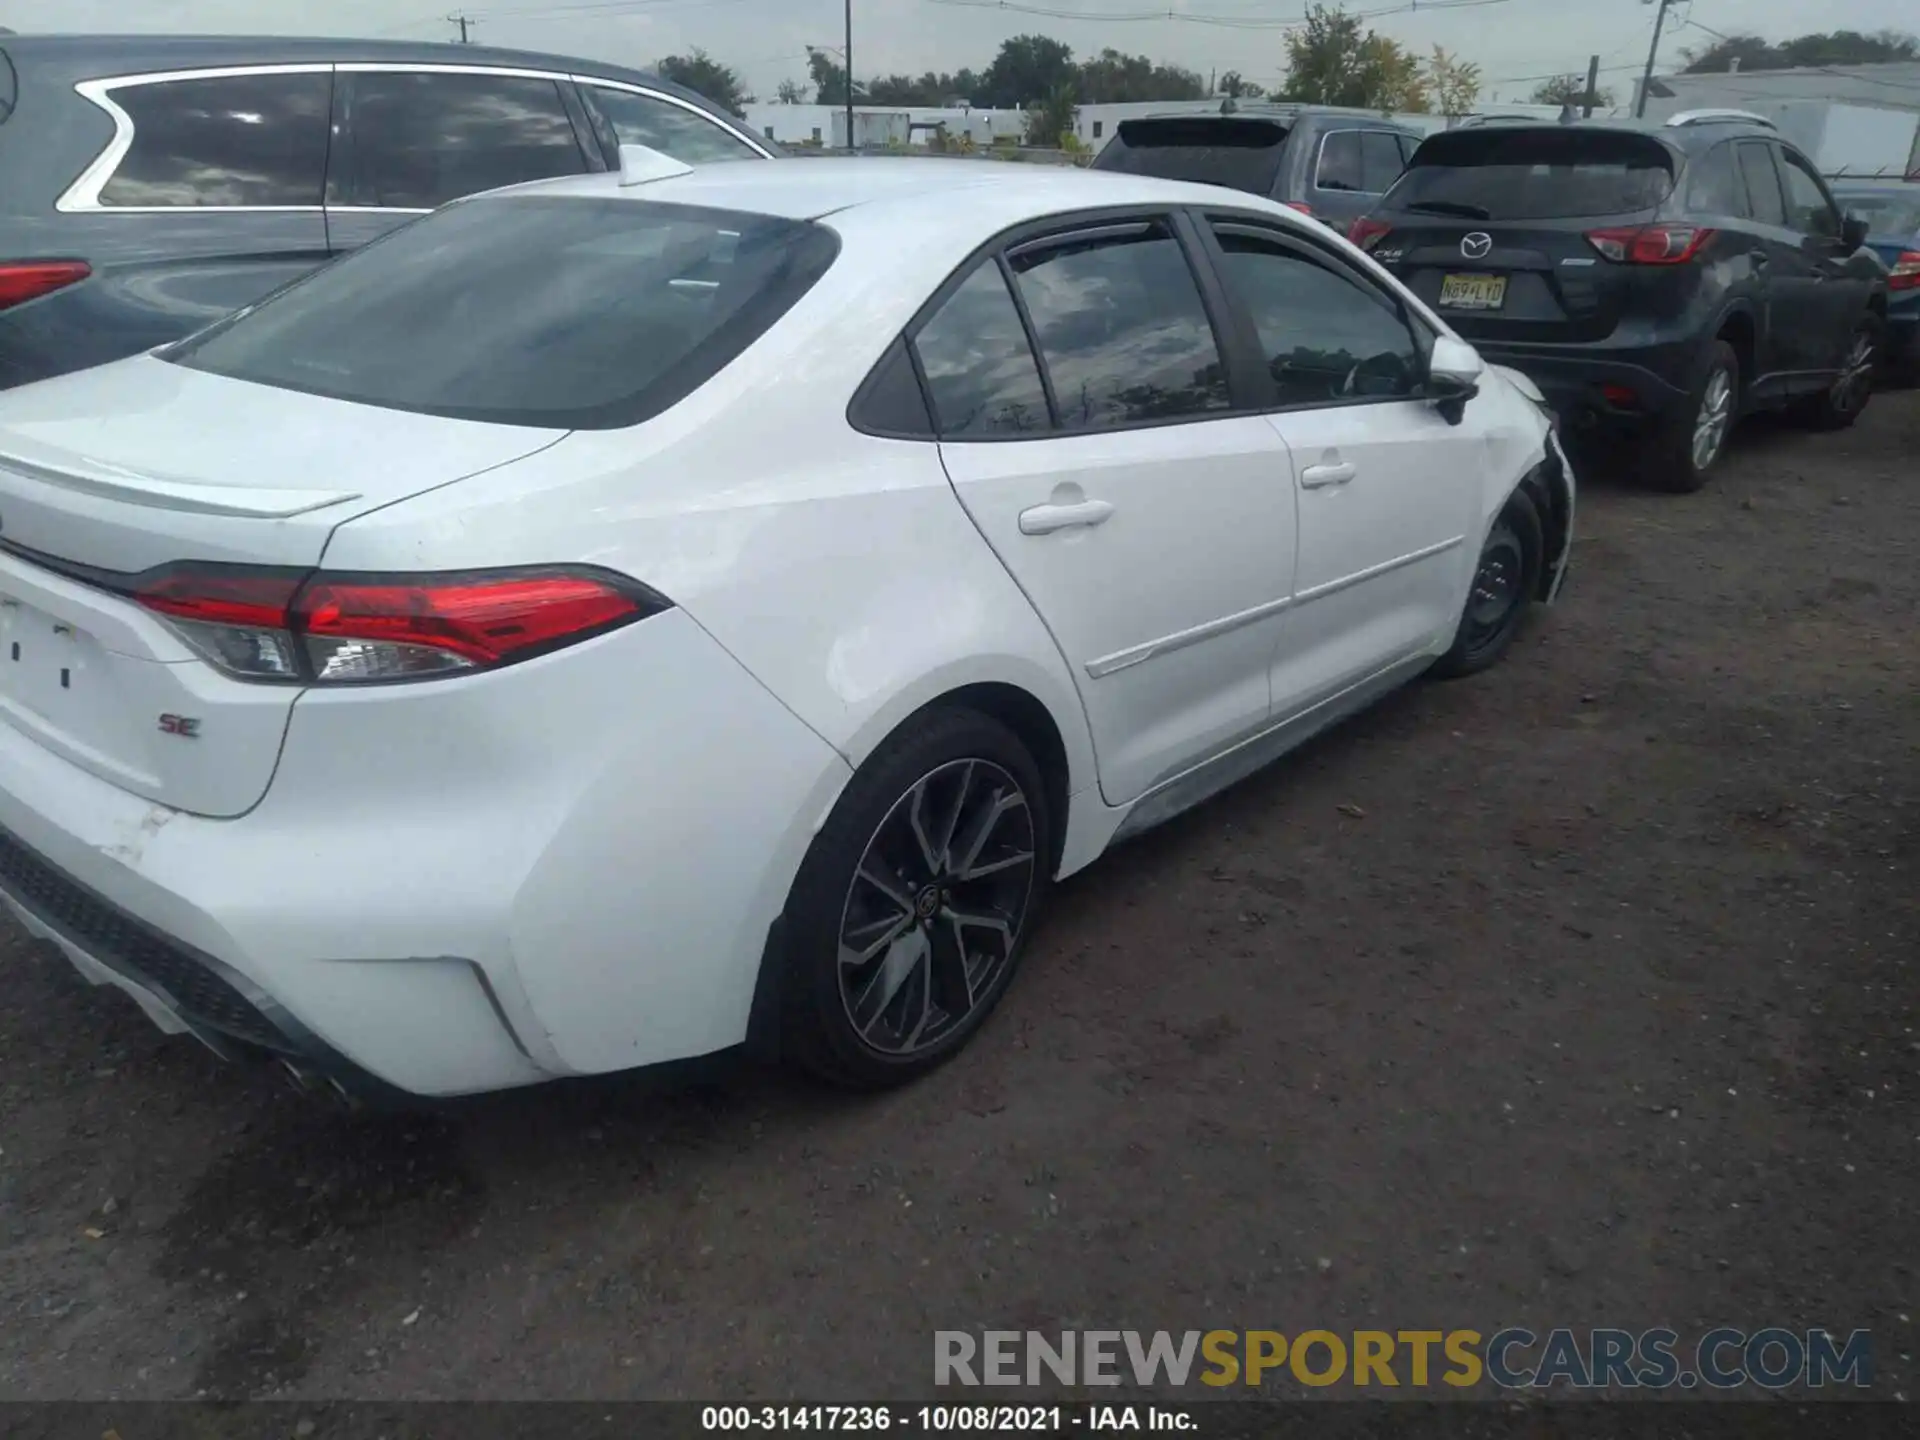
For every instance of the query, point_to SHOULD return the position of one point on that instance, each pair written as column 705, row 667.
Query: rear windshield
column 1239, row 154
column 1533, row 175
column 560, row 312
column 1888, row 216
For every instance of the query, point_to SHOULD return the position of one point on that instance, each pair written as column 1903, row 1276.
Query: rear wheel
column 1691, row 440
column 1840, row 404
column 1505, row 580
column 912, row 908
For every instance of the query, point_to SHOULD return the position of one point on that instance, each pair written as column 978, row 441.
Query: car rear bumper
column 1592, row 387
column 566, row 867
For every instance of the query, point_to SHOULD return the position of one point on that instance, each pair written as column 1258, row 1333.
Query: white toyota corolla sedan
column 619, row 618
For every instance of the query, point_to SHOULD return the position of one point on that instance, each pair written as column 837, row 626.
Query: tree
column 1332, row 60
column 1235, row 87
column 791, row 92
column 1838, row 47
column 704, row 75
column 829, row 78
column 1029, row 70
column 1455, row 83
column 1390, row 77
column 1569, row 90
column 1051, row 121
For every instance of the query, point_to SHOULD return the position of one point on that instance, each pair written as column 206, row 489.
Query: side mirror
column 1853, row 232
column 1454, row 369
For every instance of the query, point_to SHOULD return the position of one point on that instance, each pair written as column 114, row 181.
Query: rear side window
column 671, row 129
column 1763, row 183
column 979, row 366
column 1122, row 330
column 550, row 311
column 1380, row 161
column 1240, row 154
column 1534, row 175
column 1712, row 186
column 1889, row 215
column 1340, row 163
column 422, row 138
column 255, row 140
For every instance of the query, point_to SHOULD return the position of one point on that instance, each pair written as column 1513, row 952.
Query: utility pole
column 1593, row 85
column 463, row 21
column 1653, row 54
column 850, row 148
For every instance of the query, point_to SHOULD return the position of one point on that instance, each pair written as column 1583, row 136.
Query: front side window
column 1341, row 166
column 562, row 312
column 1327, row 339
column 671, row 129
column 1763, row 184
column 1122, row 329
column 1808, row 209
column 422, row 138
column 230, row 140
column 978, row 364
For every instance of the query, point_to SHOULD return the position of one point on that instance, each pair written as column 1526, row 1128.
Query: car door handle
column 1045, row 519
column 1318, row 477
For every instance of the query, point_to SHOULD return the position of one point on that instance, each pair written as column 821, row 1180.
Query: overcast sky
column 1513, row 40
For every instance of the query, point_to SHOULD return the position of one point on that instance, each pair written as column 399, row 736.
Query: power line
column 1187, row 17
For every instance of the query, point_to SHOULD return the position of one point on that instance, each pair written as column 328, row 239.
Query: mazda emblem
column 1476, row 245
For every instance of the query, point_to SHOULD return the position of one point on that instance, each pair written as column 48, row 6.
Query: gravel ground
column 1581, row 993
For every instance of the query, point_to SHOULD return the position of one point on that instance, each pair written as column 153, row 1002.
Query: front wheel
column 910, row 913
column 1506, row 578
column 1840, row 404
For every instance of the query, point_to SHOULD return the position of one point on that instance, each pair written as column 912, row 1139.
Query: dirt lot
column 1586, row 992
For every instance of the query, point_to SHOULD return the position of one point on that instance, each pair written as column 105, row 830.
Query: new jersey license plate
column 1473, row 292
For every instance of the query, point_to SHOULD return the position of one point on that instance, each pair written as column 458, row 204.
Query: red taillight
column 331, row 629
column 1650, row 244
column 1367, row 233
column 23, row 280
column 1297, row 205
column 1620, row 396
column 1905, row 274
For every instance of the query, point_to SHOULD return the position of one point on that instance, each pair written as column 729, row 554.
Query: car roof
column 1694, row 135
column 808, row 188
column 104, row 56
column 1276, row 111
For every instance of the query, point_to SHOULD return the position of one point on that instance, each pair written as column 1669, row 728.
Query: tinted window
column 978, row 363
column 1240, row 154
column 1712, row 186
column 530, row 310
column 1340, row 164
column 1534, row 175
column 422, row 139
column 236, row 140
column 1325, row 337
column 1763, row 186
column 1808, row 209
column 1122, row 329
column 669, row 128
column 1408, row 144
column 1380, row 159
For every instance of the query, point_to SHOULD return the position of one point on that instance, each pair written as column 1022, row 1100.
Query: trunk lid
column 1490, row 227
column 109, row 472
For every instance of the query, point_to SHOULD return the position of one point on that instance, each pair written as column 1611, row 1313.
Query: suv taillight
column 295, row 627
column 1905, row 274
column 24, row 280
column 1650, row 244
column 1368, row 233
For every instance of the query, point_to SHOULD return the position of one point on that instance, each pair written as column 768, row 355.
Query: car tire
column 1506, row 578
column 1693, row 437
column 1841, row 403
column 911, row 911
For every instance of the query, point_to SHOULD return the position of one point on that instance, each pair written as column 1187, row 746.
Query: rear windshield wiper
column 1449, row 207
